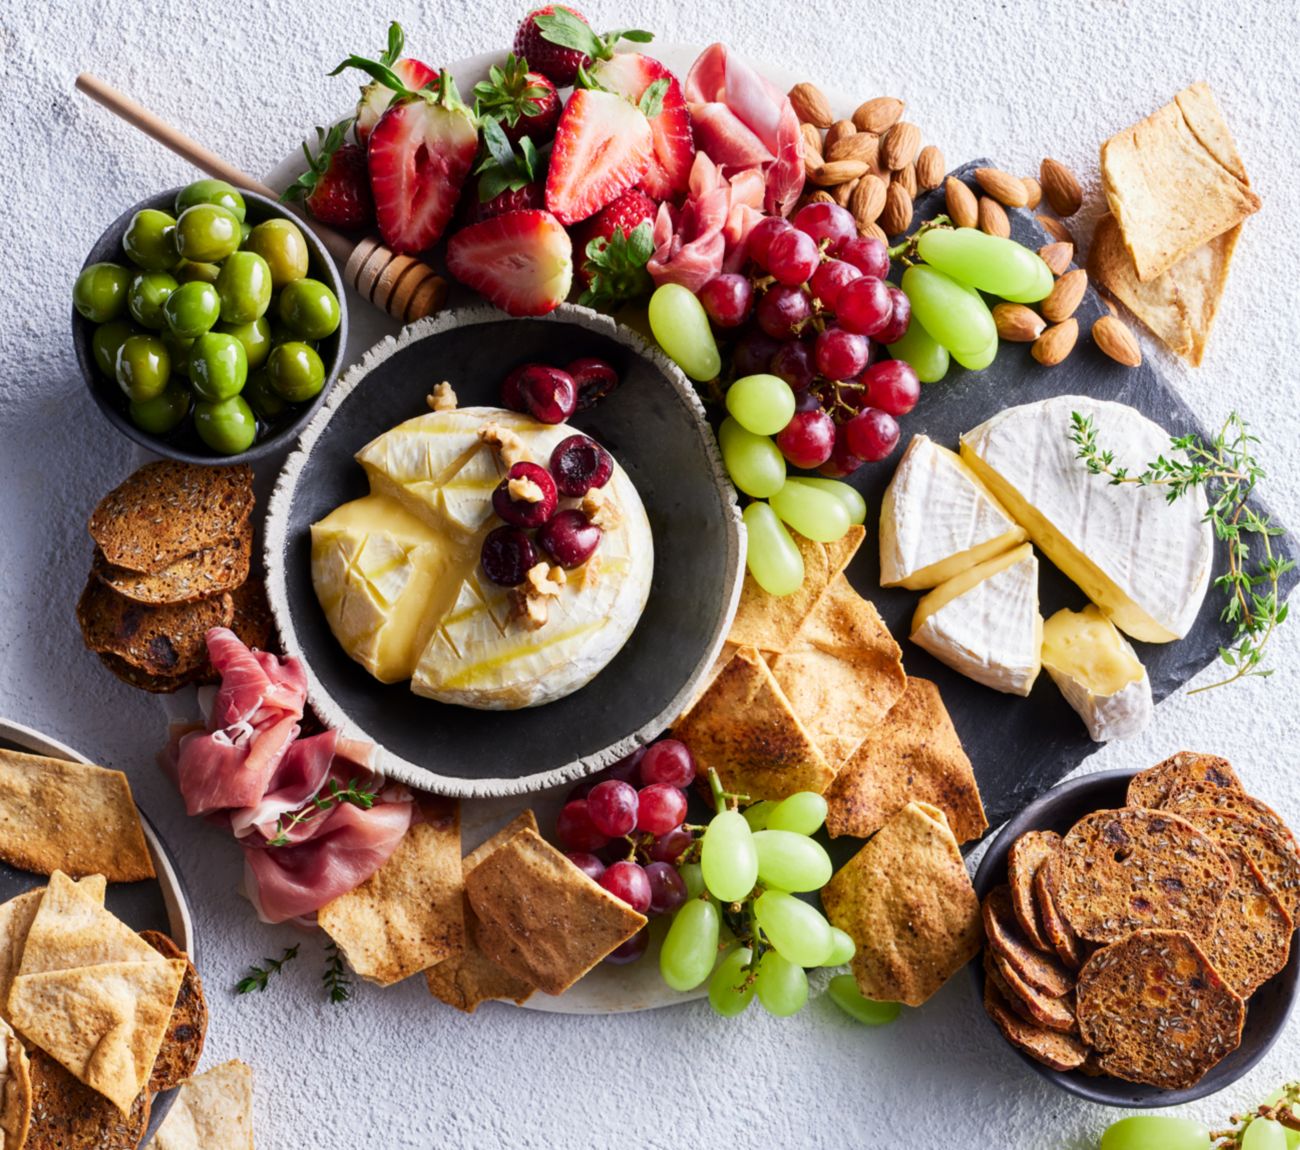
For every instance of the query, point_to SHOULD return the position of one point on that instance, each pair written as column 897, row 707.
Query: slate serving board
column 1020, row 747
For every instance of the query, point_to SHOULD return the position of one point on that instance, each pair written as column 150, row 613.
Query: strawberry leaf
column 562, row 27
column 508, row 94
column 498, row 147
column 615, row 268
column 502, row 170
column 652, row 99
column 396, row 42
column 376, row 71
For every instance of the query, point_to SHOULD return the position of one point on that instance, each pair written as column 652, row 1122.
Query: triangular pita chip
column 1201, row 112
column 842, row 673
column 407, row 916
column 770, row 622
column 913, row 755
column 744, row 727
column 104, row 1023
column 15, row 1091
column 72, row 929
column 907, row 901
column 212, row 1111
column 16, row 917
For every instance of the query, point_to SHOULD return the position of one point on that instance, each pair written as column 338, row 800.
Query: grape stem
column 723, row 800
column 906, row 249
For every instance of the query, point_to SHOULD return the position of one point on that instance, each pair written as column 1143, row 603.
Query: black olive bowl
column 1266, row 1011
column 184, row 443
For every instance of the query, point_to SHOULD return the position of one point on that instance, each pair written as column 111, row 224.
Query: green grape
column 928, row 357
column 795, row 928
column 844, row 992
column 781, row 985
column 1145, row 1132
column 852, row 499
column 1264, row 1134
column 981, row 359
column 728, row 857
column 993, row 264
column 955, row 315
column 1041, row 288
column 771, row 555
column 693, row 876
column 756, row 814
column 1292, row 1136
column 803, row 812
column 790, row 861
column 762, row 404
column 843, row 948
column 816, row 515
column 730, row 988
column 691, row 945
column 754, row 462
column 681, row 325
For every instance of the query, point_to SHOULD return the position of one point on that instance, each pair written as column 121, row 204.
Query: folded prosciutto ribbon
column 248, row 768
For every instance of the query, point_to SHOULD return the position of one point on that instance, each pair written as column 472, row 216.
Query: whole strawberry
column 613, row 248
column 336, row 184
column 554, row 61
column 524, row 103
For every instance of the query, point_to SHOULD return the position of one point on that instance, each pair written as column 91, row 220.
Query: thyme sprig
column 259, row 977
column 1229, row 472
column 352, row 793
column 337, row 982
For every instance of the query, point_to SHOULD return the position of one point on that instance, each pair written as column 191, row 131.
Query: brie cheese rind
column 1143, row 560
column 984, row 623
column 937, row 519
column 397, row 572
column 1098, row 672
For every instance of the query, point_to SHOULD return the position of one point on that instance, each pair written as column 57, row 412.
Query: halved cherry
column 507, row 556
column 569, row 538
column 579, row 463
column 519, row 511
column 594, row 377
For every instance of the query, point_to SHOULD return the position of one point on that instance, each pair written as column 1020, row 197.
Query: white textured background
column 394, row 1069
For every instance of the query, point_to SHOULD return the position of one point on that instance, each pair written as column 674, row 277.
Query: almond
column 1034, row 190
column 1065, row 296
column 873, row 231
column 811, row 106
column 1007, row 189
column 868, row 200
column 1057, row 256
column 838, row 130
column 842, row 192
column 1060, row 187
column 879, row 115
column 834, row 172
column 812, row 160
column 897, row 216
column 899, row 145
column 1017, row 323
column 907, row 177
column 1117, row 340
column 993, row 218
column 963, row 209
column 1108, row 303
column 812, row 140
column 859, row 146
column 1057, row 230
column 929, row 167
column 1056, row 343
column 820, row 196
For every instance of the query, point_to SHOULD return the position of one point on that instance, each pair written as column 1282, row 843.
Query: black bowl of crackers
column 1138, row 932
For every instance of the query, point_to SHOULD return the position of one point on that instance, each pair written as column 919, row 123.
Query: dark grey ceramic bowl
column 1058, row 810
column 184, row 443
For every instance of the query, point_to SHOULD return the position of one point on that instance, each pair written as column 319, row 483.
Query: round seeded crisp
column 1275, row 855
column 1032, row 1005
column 1128, row 869
column 68, row 1115
column 1050, row 1047
column 1005, row 938
column 1252, row 935
column 1150, row 788
column 1026, row 856
column 1063, row 940
column 1156, row 1011
column 1200, row 796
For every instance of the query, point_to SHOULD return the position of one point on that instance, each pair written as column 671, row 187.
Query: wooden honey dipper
column 406, row 288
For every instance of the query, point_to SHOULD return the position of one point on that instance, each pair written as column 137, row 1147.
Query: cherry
column 808, row 439
column 579, row 464
column 507, row 555
column 520, row 512
column 594, row 379
column 569, row 538
column 549, row 393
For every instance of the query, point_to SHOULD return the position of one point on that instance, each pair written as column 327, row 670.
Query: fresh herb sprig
column 259, row 977
column 337, row 982
column 356, row 795
column 1229, row 473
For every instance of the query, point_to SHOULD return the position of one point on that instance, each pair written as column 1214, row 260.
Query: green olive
column 147, row 296
column 261, row 396
column 281, row 244
column 100, row 292
column 143, row 367
column 192, row 309
column 245, row 230
column 179, row 348
column 107, row 339
column 256, row 338
column 207, row 233
column 245, row 287
column 150, row 240
column 211, row 191
column 309, row 309
column 228, row 427
column 162, row 413
column 218, row 366
column 295, row 371
column 188, row 271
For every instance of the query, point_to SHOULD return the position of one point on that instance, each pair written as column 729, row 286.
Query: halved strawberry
column 602, row 147
column 613, row 248
column 375, row 97
column 631, row 74
column 524, row 103
column 520, row 261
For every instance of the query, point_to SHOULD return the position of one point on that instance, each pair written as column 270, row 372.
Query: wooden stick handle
column 406, row 288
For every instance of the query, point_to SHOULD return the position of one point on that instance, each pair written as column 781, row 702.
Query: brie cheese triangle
column 985, row 623
column 1098, row 672
column 937, row 519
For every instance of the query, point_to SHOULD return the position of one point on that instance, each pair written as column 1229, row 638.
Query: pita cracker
column 540, row 918
column 744, row 727
column 770, row 622
column 842, row 673
column 73, row 817
column 69, row 1115
column 407, row 916
column 104, row 1023
column 212, row 1111
column 913, row 755
column 1173, row 183
column 907, row 901
column 15, row 1091
column 16, row 917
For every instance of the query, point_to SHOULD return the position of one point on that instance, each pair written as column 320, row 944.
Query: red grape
column 575, row 830
column 660, row 807
column 899, row 317
column 793, row 257
column 753, row 352
column 829, row 279
column 612, row 806
column 631, row 950
column 667, row 887
column 588, row 863
column 761, row 236
column 627, row 880
column 841, row 354
column 628, row 768
column 871, row 434
column 794, row 364
column 668, row 761
column 783, row 311
column 868, row 254
column 892, row 386
column 670, row 847
column 864, row 305
column 828, row 222
column 808, row 439
column 842, row 461
column 728, row 299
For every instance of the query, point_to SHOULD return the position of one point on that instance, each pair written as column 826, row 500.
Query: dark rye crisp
column 1062, row 938
column 182, row 1046
column 1156, row 1011
column 1032, row 1005
column 222, row 567
column 1027, row 855
column 68, row 1115
column 1150, row 788
column 1275, row 855
column 1252, row 935
column 1050, row 1047
column 1006, row 938
column 1127, row 869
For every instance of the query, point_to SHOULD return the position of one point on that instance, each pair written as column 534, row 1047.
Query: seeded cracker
column 222, row 567
column 1271, row 852
column 1152, row 787
column 1057, row 931
column 1027, row 854
column 182, row 1045
column 1200, row 796
column 1039, row 970
column 1051, row 1048
column 1251, row 941
column 1032, row 1005
column 68, row 1115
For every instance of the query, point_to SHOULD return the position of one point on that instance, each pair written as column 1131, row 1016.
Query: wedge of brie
column 397, row 572
column 1143, row 560
column 937, row 519
column 1098, row 672
column 985, row 622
